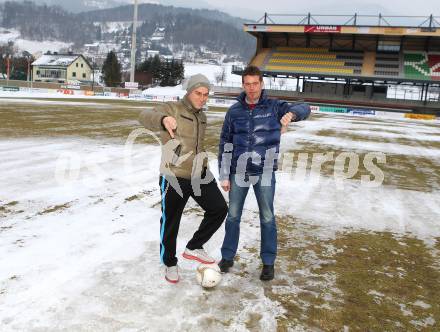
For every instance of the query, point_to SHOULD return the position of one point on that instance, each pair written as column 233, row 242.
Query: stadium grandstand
column 352, row 60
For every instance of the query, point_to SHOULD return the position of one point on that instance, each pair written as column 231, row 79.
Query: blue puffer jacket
column 254, row 134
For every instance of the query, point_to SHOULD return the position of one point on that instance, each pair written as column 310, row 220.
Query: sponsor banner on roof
column 257, row 27
column 323, row 28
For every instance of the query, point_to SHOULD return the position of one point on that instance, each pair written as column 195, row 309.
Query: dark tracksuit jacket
column 254, row 131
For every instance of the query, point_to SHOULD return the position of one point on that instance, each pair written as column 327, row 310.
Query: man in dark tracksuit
column 184, row 173
column 248, row 153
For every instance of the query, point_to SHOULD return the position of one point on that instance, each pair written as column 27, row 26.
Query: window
column 389, row 45
column 82, row 65
column 77, row 65
column 51, row 73
column 74, row 74
column 84, row 75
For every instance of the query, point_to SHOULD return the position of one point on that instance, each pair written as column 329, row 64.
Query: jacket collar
column 242, row 98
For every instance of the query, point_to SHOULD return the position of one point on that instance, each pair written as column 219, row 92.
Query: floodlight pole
column 8, row 68
column 133, row 41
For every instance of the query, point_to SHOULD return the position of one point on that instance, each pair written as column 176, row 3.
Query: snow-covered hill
column 31, row 46
column 87, row 5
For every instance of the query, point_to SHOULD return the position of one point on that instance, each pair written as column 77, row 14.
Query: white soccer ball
column 208, row 275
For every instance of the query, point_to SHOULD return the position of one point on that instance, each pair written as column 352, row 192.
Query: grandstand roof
column 346, row 24
column 354, row 49
column 254, row 28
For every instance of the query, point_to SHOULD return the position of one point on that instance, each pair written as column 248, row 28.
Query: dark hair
column 252, row 71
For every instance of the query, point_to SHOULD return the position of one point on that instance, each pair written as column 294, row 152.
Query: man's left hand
column 286, row 120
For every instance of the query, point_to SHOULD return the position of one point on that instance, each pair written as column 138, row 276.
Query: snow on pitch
column 79, row 249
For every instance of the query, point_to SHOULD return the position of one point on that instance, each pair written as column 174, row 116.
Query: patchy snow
column 80, row 244
column 174, row 91
column 31, row 46
column 115, row 26
column 36, row 47
column 422, row 304
column 7, row 35
column 55, row 60
column 210, row 71
column 232, row 80
column 85, row 235
column 44, row 93
column 407, row 128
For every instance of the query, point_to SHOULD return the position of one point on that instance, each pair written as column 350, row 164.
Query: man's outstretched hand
column 170, row 125
column 226, row 185
column 286, row 120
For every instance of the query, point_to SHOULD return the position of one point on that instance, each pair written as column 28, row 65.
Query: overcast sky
column 254, row 8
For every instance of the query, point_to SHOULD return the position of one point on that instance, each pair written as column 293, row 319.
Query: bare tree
column 282, row 82
column 220, row 76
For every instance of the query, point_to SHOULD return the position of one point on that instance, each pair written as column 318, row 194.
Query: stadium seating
column 434, row 64
column 320, row 61
column 416, row 66
column 387, row 65
column 422, row 65
column 312, row 60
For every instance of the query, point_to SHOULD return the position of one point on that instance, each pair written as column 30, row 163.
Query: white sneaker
column 172, row 274
column 199, row 255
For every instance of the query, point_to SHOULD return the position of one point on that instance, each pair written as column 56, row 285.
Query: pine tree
column 111, row 70
column 178, row 72
column 164, row 72
column 145, row 66
column 156, row 68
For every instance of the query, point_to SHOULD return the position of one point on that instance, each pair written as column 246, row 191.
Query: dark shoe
column 267, row 273
column 224, row 265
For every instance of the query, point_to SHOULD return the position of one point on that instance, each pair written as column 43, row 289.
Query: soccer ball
column 208, row 275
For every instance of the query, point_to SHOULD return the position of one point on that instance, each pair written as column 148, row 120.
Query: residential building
column 61, row 68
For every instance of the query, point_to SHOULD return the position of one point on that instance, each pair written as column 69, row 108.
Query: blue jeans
column 264, row 190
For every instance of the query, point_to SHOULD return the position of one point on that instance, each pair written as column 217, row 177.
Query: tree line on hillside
column 183, row 26
column 150, row 11
column 46, row 23
column 162, row 72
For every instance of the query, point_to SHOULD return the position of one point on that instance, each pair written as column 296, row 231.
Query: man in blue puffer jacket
column 248, row 153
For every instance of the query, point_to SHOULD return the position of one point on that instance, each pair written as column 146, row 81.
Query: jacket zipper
column 251, row 127
column 176, row 154
column 197, row 144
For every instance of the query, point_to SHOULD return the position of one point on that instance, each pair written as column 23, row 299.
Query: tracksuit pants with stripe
column 210, row 200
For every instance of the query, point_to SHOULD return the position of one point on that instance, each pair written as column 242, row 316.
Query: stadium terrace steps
column 302, row 49
column 260, row 58
column 368, row 65
column 387, row 65
column 298, row 69
column 300, row 60
column 313, row 60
